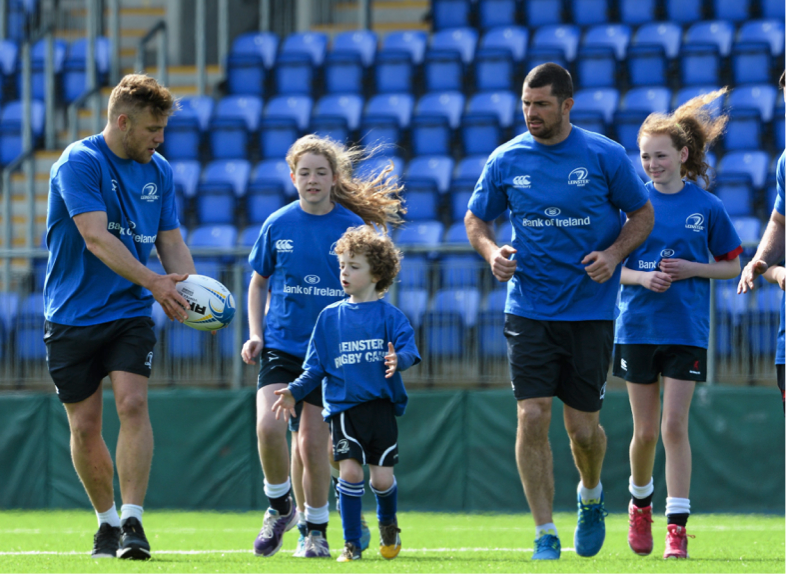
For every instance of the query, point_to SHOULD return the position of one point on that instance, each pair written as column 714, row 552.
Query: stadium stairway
column 386, row 16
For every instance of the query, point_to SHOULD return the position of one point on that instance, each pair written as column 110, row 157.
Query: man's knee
column 534, row 414
column 85, row 429
column 584, row 434
column 132, row 406
column 270, row 429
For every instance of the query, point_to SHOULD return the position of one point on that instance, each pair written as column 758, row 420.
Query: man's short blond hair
column 138, row 92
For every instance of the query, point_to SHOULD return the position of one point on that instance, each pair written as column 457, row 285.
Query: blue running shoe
column 300, row 550
column 365, row 534
column 591, row 529
column 547, row 546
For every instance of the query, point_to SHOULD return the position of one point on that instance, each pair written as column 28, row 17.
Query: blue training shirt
column 565, row 202
column 779, row 206
column 296, row 250
column 347, row 355
column 139, row 201
column 687, row 225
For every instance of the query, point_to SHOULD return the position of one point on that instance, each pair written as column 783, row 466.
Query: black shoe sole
column 133, row 553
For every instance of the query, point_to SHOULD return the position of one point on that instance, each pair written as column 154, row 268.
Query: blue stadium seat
column 223, row 183
column 774, row 9
column 337, row 116
column 186, row 126
column 234, row 120
column 543, row 12
column 589, row 12
column 248, row 236
column 436, row 117
column 38, row 57
column 28, row 335
column 468, row 171
column 420, row 234
column 386, row 117
column 273, row 175
column 750, row 107
column 421, row 204
column 449, row 54
column 262, row 44
column 637, row 11
column 447, row 14
column 430, row 172
column 614, row 36
column 665, row 34
column 636, row 105
column 488, row 117
column 75, row 66
column 684, row 11
column 491, row 321
column 451, row 314
column 459, row 200
column 748, row 228
column 564, row 38
column 498, row 58
column 414, row 274
column 493, row 13
column 688, row 93
column 759, row 96
column 699, row 64
column 735, row 192
column 412, row 302
column 11, row 128
column 753, row 163
column 9, row 308
column 717, row 32
column 259, row 206
column 778, row 124
column 459, row 271
column 8, row 64
column 733, row 10
column 750, row 62
column 352, row 54
column 647, row 65
column 185, row 175
column 413, row 42
column 769, row 31
column 252, row 55
column 222, row 237
column 370, row 167
column 314, row 44
column 401, row 54
column 730, row 309
column 594, row 108
column 537, row 56
column 596, row 67
column 285, row 118
column 301, row 55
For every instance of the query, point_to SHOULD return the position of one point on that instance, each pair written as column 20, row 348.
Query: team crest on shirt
column 695, row 222
column 667, row 253
column 342, row 446
column 521, row 182
column 578, row 177
column 150, row 192
column 285, row 246
column 332, row 251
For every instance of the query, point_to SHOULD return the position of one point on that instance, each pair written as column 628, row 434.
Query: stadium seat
column 716, row 32
column 447, row 14
column 459, row 201
column 468, row 171
column 234, row 120
column 564, row 38
column 8, row 65
column 436, row 117
column 386, row 118
column 778, row 125
column 420, row 234
column 75, row 67
column 9, row 308
column 220, row 237
column 186, row 126
column 371, row 167
column 699, row 64
column 272, row 175
column 734, row 190
column 448, row 56
column 491, row 320
column 756, row 96
column 412, row 302
column 665, row 34
column 421, row 204
column 614, row 36
column 352, row 54
column 301, row 55
column 596, row 67
column 452, row 312
column 429, row 173
column 733, row 10
column 684, row 11
column 260, row 205
column 223, row 183
column 186, row 176
column 748, row 228
column 752, row 163
column 314, row 44
column 749, row 107
column 488, row 118
column 251, row 57
column 750, row 62
column 769, row 31
column 774, row 9
column 637, row 12
column 248, row 236
column 594, row 109
column 647, row 65
column 730, row 308
column 537, row 56
column 498, row 58
column 543, row 12
column 38, row 59
column 337, row 116
column 688, row 93
column 28, row 334
column 11, row 128
column 401, row 54
column 635, row 106
column 589, row 12
column 285, row 118
column 459, row 271
column 493, row 13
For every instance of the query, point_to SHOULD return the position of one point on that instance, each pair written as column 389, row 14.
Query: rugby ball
column 212, row 304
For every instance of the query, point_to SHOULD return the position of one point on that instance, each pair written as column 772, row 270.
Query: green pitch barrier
column 456, row 452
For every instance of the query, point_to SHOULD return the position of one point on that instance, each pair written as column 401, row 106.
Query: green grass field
column 192, row 542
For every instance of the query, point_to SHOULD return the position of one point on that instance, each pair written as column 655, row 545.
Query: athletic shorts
column 79, row 357
column 779, row 373
column 280, row 367
column 564, row 359
column 367, row 433
column 642, row 363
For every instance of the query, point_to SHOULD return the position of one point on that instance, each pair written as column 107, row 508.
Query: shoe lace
column 388, row 533
column 639, row 521
column 349, row 550
column 546, row 541
column 592, row 513
column 268, row 524
column 105, row 534
column 316, row 541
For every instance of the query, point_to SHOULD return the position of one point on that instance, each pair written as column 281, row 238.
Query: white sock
column 317, row 514
column 545, row 528
column 128, row 511
column 109, row 516
column 588, row 495
column 677, row 505
column 640, row 492
column 277, row 490
column 301, row 517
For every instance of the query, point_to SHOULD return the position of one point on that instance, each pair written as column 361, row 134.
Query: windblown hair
column 375, row 199
column 137, row 92
column 383, row 257
column 690, row 126
column 554, row 75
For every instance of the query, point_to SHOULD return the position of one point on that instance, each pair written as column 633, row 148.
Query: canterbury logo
column 521, row 181
column 284, row 245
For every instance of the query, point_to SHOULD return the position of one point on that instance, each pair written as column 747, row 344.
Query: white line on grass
column 225, row 551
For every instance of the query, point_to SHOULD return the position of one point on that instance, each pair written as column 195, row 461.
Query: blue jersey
column 347, row 350
column 779, row 206
column 295, row 250
column 139, row 201
column 687, row 225
column 565, row 202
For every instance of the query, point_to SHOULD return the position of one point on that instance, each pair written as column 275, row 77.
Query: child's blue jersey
column 295, row 250
column 348, row 349
column 139, row 201
column 687, row 225
column 779, row 206
column 565, row 202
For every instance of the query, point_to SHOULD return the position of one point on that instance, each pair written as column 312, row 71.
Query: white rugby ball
column 212, row 304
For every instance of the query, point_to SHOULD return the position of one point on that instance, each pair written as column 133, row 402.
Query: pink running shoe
column 640, row 529
column 676, row 542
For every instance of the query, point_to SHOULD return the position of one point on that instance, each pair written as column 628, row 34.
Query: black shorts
column 642, row 363
column 566, row 359
column 367, row 432
column 779, row 373
column 280, row 367
column 79, row 357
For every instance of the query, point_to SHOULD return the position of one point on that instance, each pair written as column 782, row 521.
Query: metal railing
column 160, row 31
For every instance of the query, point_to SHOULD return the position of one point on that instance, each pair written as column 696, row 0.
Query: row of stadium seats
column 462, row 59
column 486, row 14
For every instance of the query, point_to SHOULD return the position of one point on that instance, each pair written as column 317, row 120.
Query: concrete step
column 402, row 13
